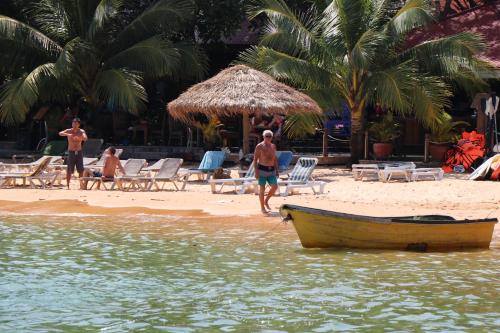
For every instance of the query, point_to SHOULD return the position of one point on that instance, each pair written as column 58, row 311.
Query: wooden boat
column 326, row 229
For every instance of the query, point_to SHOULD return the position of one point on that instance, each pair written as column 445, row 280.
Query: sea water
column 154, row 274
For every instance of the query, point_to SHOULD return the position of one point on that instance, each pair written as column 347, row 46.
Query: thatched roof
column 237, row 90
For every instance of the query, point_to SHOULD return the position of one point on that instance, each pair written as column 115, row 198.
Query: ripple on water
column 184, row 275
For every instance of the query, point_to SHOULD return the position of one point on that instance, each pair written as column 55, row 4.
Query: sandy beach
column 453, row 196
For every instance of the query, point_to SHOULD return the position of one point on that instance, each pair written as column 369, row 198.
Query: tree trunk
column 357, row 134
column 325, row 142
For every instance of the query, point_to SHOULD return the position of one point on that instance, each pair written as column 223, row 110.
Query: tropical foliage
column 99, row 51
column 386, row 130
column 356, row 51
column 448, row 130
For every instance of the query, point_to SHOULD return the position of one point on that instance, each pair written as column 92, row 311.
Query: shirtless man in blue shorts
column 266, row 169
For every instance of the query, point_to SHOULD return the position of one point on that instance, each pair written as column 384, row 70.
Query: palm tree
column 356, row 51
column 100, row 51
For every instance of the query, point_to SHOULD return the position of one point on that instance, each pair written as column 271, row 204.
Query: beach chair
column 211, row 161
column 155, row 167
column 240, row 184
column 99, row 163
column 284, row 160
column 26, row 167
column 168, row 173
column 301, row 177
column 92, row 147
column 10, row 178
column 132, row 168
column 432, row 173
column 396, row 170
column 89, row 162
column 360, row 171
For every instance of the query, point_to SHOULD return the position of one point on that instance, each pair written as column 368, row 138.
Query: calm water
column 150, row 274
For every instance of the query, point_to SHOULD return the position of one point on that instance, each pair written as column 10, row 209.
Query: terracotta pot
column 438, row 150
column 382, row 151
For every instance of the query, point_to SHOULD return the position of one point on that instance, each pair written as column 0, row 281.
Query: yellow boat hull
column 324, row 229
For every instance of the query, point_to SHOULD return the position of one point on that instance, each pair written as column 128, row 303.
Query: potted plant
column 210, row 132
column 383, row 134
column 443, row 136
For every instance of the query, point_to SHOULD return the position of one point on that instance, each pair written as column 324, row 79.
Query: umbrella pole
column 246, row 133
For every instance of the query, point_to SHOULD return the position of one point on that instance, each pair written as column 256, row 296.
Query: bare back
column 110, row 164
column 265, row 154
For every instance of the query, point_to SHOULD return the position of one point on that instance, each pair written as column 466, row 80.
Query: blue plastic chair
column 211, row 161
column 284, row 160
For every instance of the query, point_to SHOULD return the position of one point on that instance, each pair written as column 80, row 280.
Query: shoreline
column 452, row 196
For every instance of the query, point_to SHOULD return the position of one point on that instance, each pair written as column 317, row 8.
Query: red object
column 496, row 174
column 483, row 20
column 382, row 151
column 466, row 152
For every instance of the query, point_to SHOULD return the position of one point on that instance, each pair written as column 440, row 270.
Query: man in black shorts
column 75, row 136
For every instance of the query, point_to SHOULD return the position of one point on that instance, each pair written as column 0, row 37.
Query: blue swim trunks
column 267, row 174
column 271, row 180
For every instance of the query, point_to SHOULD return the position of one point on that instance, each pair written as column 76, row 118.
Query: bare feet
column 267, row 206
column 264, row 211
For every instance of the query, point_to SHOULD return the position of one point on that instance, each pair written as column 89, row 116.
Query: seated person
column 111, row 163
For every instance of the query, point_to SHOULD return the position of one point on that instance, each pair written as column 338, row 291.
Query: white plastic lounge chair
column 360, row 171
column 168, row 173
column 92, row 147
column 89, row 161
column 26, row 167
column 211, row 161
column 432, row 173
column 397, row 170
column 9, row 179
column 240, row 184
column 100, row 163
column 46, row 179
column 132, row 168
column 155, row 167
column 301, row 177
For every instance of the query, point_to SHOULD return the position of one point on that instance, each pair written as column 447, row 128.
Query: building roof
column 238, row 90
column 483, row 20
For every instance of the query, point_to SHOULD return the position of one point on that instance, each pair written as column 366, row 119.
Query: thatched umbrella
column 240, row 90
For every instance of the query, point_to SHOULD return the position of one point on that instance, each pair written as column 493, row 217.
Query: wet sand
column 453, row 196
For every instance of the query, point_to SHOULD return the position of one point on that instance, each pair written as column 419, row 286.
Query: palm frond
column 282, row 66
column 302, row 125
column 301, row 29
column 121, row 89
column 52, row 17
column 167, row 14
column 392, row 86
column 366, row 49
column 26, row 36
column 105, row 11
column 155, row 57
column 414, row 14
column 429, row 97
column 194, row 62
column 19, row 95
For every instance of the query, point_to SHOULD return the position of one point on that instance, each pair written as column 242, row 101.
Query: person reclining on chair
column 111, row 162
